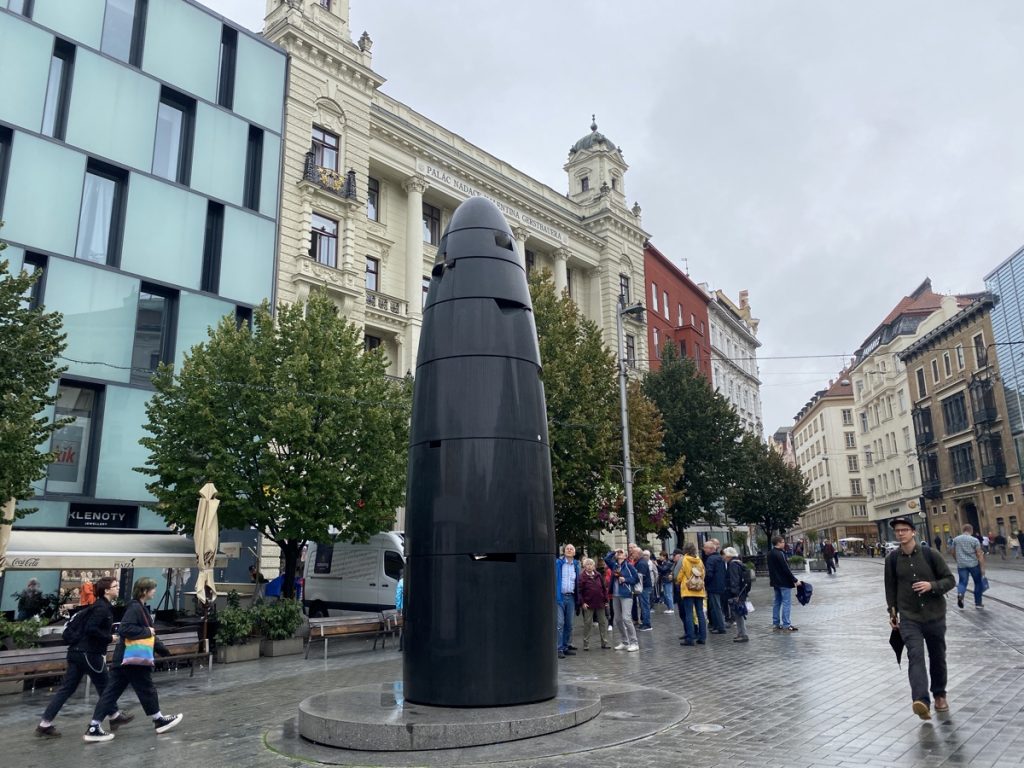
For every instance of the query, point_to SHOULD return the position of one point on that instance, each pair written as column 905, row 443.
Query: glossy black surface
column 480, row 539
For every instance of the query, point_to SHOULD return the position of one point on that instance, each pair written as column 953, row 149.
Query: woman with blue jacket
column 624, row 576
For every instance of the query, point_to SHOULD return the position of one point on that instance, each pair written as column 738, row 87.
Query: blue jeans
column 782, row 603
column 975, row 573
column 666, row 594
column 645, row 607
column 564, row 613
column 691, row 605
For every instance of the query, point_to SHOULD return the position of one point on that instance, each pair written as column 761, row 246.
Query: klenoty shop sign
column 512, row 214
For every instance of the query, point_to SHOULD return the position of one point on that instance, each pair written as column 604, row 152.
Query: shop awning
column 55, row 550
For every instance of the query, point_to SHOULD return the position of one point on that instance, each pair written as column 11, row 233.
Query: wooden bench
column 184, row 646
column 348, row 626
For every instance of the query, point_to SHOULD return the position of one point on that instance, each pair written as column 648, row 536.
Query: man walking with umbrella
column 916, row 581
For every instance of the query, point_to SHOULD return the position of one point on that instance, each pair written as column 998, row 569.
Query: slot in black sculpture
column 480, row 536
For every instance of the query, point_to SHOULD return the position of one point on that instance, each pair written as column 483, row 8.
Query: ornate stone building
column 369, row 186
column 734, row 371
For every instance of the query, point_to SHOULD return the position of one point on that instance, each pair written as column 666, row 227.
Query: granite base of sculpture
column 480, row 538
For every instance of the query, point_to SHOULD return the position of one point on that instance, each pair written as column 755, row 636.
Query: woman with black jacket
column 87, row 657
column 133, row 665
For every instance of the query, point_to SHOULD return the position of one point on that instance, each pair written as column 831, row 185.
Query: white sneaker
column 669, row 611
column 609, row 627
column 621, row 647
column 633, row 647
column 164, row 724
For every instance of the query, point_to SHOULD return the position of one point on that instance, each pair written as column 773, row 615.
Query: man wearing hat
column 916, row 581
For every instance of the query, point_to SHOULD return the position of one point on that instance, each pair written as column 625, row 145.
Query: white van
column 354, row 577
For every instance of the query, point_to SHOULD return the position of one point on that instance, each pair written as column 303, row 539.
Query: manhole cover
column 706, row 728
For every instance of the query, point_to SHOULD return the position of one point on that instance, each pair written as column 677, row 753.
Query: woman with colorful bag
column 133, row 665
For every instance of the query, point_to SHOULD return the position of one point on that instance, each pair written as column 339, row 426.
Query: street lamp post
column 627, row 472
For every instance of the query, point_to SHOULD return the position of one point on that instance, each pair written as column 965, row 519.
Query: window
column 868, row 460
column 431, row 224
column 630, row 351
column 615, row 182
column 664, row 304
column 947, row 365
column 325, row 148
column 424, row 290
column 657, row 344
column 24, row 7
column 325, row 4
column 74, row 443
column 997, row 500
column 323, row 245
column 58, row 89
column 101, row 219
column 935, row 371
column 585, row 184
column 855, row 488
column 962, row 460
column 212, row 243
column 226, row 67
column 1009, row 498
column 922, row 390
column 372, row 199
column 872, row 486
column 172, row 149
column 679, row 315
column 35, row 264
column 243, row 317
column 568, row 281
column 624, row 288
column 847, row 417
column 154, row 332
column 901, row 397
column 531, row 259
column 906, row 439
column 372, row 274
column 124, row 27
column 371, row 343
column 959, row 357
column 863, row 422
column 654, row 297
column 980, row 352
column 393, row 564
column 852, row 464
column 954, row 413
column 253, row 169
column 851, row 439
column 5, row 157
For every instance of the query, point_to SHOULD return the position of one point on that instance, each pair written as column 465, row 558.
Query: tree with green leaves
column 582, row 403
column 765, row 491
column 300, row 429
column 701, row 428
column 657, row 479
column 31, row 342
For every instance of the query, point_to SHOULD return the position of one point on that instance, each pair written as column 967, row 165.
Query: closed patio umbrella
column 207, row 540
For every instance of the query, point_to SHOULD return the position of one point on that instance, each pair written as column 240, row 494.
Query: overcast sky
column 826, row 155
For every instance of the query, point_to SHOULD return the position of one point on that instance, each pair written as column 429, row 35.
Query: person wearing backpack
column 693, row 593
column 88, row 633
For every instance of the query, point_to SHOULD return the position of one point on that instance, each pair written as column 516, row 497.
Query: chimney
column 744, row 299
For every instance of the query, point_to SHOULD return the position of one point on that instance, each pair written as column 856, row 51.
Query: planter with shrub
column 234, row 628
column 278, row 621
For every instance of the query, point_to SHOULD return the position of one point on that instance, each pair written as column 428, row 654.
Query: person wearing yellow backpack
column 693, row 594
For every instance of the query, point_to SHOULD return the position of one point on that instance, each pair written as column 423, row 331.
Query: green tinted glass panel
column 247, row 259
column 196, row 315
column 259, row 83
column 99, row 309
column 124, row 413
column 24, row 69
column 218, row 155
column 113, row 110
column 268, row 179
column 80, row 21
column 163, row 234
column 42, row 170
column 167, row 25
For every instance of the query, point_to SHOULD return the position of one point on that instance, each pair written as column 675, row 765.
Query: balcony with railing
column 994, row 474
column 923, row 432
column 983, row 402
column 931, row 488
column 328, row 179
column 387, row 305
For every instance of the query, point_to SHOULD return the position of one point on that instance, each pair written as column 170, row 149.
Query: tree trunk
column 290, row 549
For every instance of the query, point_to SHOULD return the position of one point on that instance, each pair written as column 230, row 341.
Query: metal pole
column 627, row 472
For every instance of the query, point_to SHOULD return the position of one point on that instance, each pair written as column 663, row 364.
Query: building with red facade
column 677, row 312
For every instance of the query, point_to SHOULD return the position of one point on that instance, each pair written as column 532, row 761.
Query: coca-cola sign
column 24, row 562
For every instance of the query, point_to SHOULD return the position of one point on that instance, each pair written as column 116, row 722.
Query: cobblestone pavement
column 828, row 695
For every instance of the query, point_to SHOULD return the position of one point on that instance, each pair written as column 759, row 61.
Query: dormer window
column 585, row 184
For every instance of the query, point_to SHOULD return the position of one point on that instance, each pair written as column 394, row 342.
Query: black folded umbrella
column 896, row 641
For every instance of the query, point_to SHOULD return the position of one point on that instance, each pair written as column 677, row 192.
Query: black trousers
column 140, row 679
column 919, row 635
column 79, row 665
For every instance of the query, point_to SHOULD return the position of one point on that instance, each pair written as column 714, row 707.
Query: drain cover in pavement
column 706, row 728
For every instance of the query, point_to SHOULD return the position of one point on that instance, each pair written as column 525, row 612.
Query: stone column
column 521, row 234
column 414, row 188
column 561, row 275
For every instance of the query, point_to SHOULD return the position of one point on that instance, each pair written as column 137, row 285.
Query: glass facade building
column 1006, row 282
column 140, row 153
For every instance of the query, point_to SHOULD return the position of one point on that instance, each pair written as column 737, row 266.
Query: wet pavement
column 827, row 695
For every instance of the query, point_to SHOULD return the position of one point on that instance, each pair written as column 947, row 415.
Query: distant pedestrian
column 916, row 580
column 782, row 580
column 938, row 542
column 87, row 656
column 30, row 601
column 828, row 554
column 970, row 562
column 986, row 542
column 692, row 590
column 648, row 573
column 665, row 576
column 1000, row 544
column 624, row 576
column 1020, row 543
column 591, row 598
column 567, row 572
column 714, row 583
column 738, row 581
column 133, row 665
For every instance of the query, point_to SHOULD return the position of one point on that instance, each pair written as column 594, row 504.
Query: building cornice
column 950, row 327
